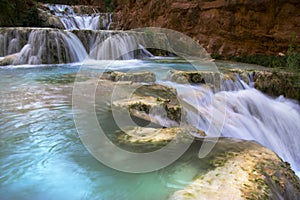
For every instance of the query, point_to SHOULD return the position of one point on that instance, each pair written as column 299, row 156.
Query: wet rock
column 271, row 82
column 194, row 77
column 8, row 60
column 278, row 83
column 148, row 107
column 255, row 172
column 153, row 103
column 48, row 20
column 147, row 135
column 145, row 77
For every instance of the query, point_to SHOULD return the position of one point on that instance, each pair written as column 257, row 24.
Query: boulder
column 146, row 135
column 48, row 20
column 278, row 83
column 253, row 172
column 145, row 77
column 8, row 60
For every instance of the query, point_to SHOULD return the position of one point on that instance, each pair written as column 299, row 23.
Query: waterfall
column 12, row 40
column 249, row 115
column 121, row 45
column 52, row 46
column 41, row 46
column 74, row 18
column 110, row 46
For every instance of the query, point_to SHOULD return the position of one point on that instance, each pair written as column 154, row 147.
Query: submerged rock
column 156, row 135
column 255, row 172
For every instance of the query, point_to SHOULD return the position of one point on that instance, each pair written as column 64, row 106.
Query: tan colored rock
column 253, row 173
column 8, row 60
column 146, row 77
column 278, row 83
column 156, row 135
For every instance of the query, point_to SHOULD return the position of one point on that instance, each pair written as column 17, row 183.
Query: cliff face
column 224, row 27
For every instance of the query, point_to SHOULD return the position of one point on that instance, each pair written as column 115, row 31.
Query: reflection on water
column 42, row 156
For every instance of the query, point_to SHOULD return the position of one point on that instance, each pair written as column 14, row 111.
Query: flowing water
column 74, row 19
column 42, row 156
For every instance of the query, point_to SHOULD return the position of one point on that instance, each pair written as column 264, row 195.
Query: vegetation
column 15, row 13
column 264, row 60
column 18, row 13
column 293, row 54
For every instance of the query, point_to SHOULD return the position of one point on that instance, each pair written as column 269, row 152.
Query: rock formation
column 227, row 28
column 253, row 172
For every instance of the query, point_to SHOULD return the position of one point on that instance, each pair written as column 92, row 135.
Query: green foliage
column 216, row 56
column 110, row 5
column 31, row 17
column 18, row 13
column 7, row 8
column 293, row 54
column 258, row 59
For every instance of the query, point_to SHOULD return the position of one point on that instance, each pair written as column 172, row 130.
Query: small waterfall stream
column 54, row 46
column 249, row 115
column 73, row 18
column 41, row 46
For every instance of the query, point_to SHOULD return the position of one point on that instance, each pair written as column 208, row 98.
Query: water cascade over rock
column 76, row 17
column 41, row 46
column 53, row 46
column 246, row 113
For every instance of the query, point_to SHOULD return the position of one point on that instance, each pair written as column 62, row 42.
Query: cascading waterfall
column 12, row 40
column 73, row 19
column 42, row 46
column 51, row 46
column 121, row 46
column 249, row 115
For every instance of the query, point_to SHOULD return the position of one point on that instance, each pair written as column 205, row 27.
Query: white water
column 121, row 46
column 73, row 20
column 51, row 46
column 249, row 115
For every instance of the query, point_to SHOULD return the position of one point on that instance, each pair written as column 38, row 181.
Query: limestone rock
column 254, row 172
column 156, row 135
column 8, row 60
column 278, row 83
column 146, row 77
column 48, row 20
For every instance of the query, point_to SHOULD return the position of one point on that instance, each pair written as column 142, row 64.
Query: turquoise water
column 42, row 156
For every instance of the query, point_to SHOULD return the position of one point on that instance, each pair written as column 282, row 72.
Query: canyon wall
column 223, row 27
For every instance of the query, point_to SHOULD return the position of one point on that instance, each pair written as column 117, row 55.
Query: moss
column 140, row 107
